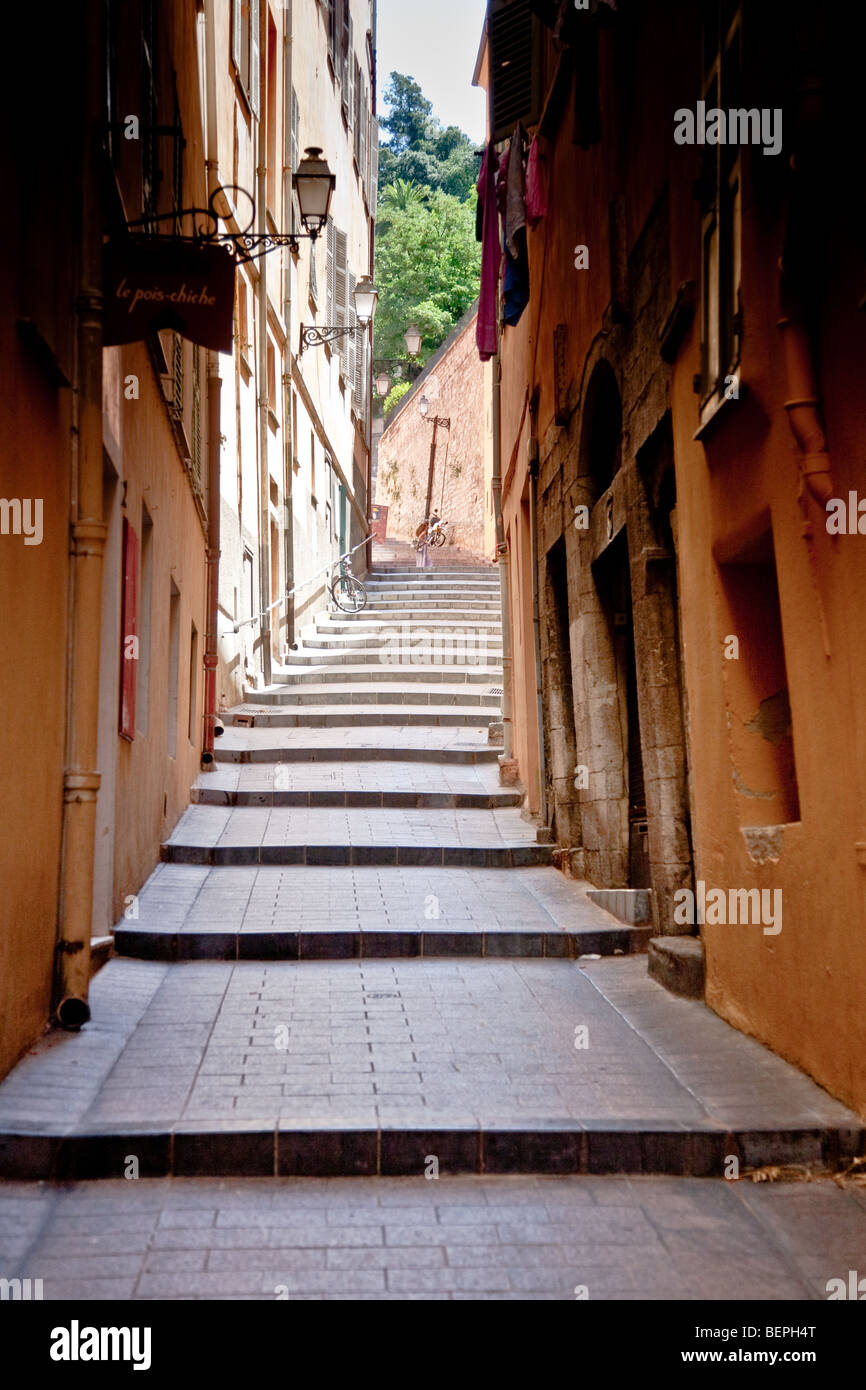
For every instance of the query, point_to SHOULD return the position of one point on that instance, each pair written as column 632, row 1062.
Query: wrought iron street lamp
column 314, row 184
column 365, row 298
column 413, row 340
column 383, row 384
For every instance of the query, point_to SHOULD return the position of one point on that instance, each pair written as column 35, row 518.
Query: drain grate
column 495, row 690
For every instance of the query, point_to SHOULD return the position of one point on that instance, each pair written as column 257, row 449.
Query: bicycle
column 348, row 593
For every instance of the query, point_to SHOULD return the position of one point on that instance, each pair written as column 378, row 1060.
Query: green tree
column 428, row 265
column 418, row 148
column 428, row 261
column 409, row 114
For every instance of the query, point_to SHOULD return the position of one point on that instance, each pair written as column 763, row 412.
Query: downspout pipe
column 214, row 387
column 87, row 547
column 536, row 623
column 262, row 365
column 288, row 364
column 507, row 755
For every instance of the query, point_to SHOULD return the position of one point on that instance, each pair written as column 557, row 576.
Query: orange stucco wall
column 801, row 991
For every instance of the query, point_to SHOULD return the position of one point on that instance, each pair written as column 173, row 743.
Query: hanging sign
column 165, row 284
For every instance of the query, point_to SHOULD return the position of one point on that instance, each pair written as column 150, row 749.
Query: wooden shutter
column 255, row 73
column 352, row 338
column 360, row 369
column 349, row 87
column 362, row 139
column 374, row 165
column 332, row 33
column 341, row 280
column 237, row 22
column 330, row 271
column 128, row 629
column 345, row 47
column 515, row 65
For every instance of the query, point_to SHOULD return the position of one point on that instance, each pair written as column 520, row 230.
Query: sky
column 436, row 42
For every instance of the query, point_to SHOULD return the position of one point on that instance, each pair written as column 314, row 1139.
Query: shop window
column 756, row 685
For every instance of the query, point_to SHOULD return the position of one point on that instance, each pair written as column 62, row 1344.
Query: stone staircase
column 371, row 751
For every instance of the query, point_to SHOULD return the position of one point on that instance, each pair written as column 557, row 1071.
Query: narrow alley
column 433, row 644
column 370, row 968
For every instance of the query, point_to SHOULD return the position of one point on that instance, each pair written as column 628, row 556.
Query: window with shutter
column 330, row 272
column 237, row 30
column 350, row 86
column 515, row 65
column 360, row 370
column 374, row 165
column 296, row 149
column 332, row 33
column 345, row 49
column 363, row 121
column 255, row 76
column 341, row 282
column 351, row 338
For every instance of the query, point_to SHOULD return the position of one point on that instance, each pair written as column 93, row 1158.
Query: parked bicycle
column 345, row 589
column 430, row 532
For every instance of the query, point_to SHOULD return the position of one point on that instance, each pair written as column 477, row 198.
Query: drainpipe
column 264, row 471
column 214, row 387
column 88, row 533
column 431, row 468
column 536, row 622
column 288, row 422
column 507, row 754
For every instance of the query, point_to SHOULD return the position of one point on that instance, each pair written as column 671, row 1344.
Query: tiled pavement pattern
column 299, row 1039
column 249, row 1068
column 183, row 898
column 391, row 825
column 455, row 1238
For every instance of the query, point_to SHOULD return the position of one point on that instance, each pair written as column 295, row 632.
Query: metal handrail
column 257, row 618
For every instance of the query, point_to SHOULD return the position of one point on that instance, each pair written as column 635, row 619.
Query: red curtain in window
column 129, row 633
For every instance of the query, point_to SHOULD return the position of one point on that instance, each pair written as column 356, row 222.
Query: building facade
column 295, row 419
column 680, row 433
column 418, row 457
column 103, row 560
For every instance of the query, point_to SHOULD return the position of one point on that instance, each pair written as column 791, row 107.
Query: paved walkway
column 330, row 1067
column 356, row 959
column 455, row 1238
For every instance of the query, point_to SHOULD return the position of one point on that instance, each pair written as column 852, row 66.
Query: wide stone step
column 255, row 738
column 446, row 613
column 373, row 653
column 360, row 784
column 376, row 836
column 348, row 716
column 246, row 1068
column 361, row 675
column 385, row 692
column 371, row 623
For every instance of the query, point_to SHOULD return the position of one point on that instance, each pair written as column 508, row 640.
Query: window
column 515, row 65
column 173, row 669
column 245, row 49
column 758, row 715
column 142, row 695
column 295, row 160
column 196, row 418
column 719, row 191
column 193, row 681
column 341, row 291
column 271, row 98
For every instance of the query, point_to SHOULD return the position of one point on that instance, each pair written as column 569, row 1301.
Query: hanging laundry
column 512, row 208
column 515, row 191
column 536, row 184
column 491, row 257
